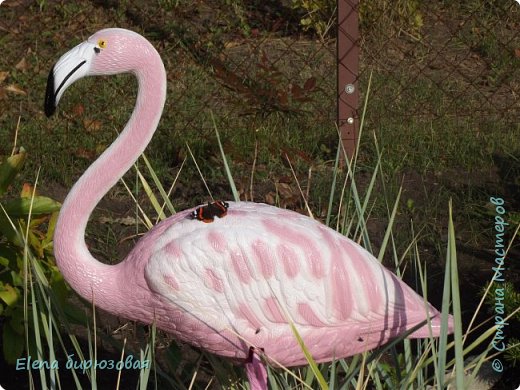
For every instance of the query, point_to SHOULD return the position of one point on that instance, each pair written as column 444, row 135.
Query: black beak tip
column 50, row 109
column 50, row 97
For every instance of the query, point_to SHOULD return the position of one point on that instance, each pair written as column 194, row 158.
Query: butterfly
column 210, row 211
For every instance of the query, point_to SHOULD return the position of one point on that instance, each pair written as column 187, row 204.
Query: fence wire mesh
column 432, row 62
column 450, row 66
column 460, row 60
column 260, row 68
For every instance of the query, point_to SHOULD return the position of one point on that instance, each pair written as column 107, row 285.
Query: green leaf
column 10, row 255
column 10, row 168
column 16, row 321
column 75, row 315
column 59, row 287
column 4, row 262
column 18, row 208
column 9, row 294
column 16, row 276
column 12, row 342
column 8, row 230
column 47, row 242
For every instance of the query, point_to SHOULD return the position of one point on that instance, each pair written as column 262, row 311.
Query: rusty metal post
column 348, row 72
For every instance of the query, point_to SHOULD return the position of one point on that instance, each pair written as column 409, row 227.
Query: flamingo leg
column 256, row 371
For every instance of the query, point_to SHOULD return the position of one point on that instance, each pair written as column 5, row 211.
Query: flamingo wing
column 260, row 267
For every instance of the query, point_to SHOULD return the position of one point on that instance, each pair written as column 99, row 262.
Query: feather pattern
column 251, row 273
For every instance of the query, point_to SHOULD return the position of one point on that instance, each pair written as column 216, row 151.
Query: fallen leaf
column 517, row 53
column 85, row 153
column 284, row 190
column 27, row 191
column 285, row 178
column 296, row 91
column 15, row 89
column 270, row 197
column 310, row 84
column 14, row 3
column 127, row 221
column 91, row 125
column 231, row 44
column 283, row 98
column 3, row 76
column 78, row 109
column 22, row 65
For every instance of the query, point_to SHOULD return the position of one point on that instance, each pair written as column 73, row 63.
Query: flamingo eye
column 102, row 43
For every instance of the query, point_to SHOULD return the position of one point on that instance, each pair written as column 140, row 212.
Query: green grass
column 359, row 371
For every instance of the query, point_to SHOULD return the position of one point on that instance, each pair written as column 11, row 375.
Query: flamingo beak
column 72, row 66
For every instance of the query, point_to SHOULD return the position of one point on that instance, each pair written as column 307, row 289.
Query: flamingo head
column 109, row 51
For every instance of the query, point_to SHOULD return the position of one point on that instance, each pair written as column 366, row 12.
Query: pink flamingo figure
column 232, row 286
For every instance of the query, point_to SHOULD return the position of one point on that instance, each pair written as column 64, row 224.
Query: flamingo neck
column 95, row 281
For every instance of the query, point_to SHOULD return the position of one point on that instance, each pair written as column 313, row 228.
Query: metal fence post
column 347, row 73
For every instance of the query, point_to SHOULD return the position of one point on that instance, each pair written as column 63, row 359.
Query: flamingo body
column 236, row 282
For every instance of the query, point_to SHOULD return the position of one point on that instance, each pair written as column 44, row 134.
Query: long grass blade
column 151, row 196
column 36, row 313
column 333, row 184
column 146, row 356
column 234, row 191
column 199, row 171
column 359, row 209
column 148, row 223
column 38, row 338
column 314, row 367
column 172, row 187
column 457, row 317
column 388, row 231
column 121, row 361
column 159, row 186
column 363, row 114
column 309, row 211
column 370, row 188
column 443, row 338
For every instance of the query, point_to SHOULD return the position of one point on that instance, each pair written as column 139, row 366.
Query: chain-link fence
column 439, row 64
column 448, row 66
column 462, row 60
column 433, row 64
column 260, row 64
